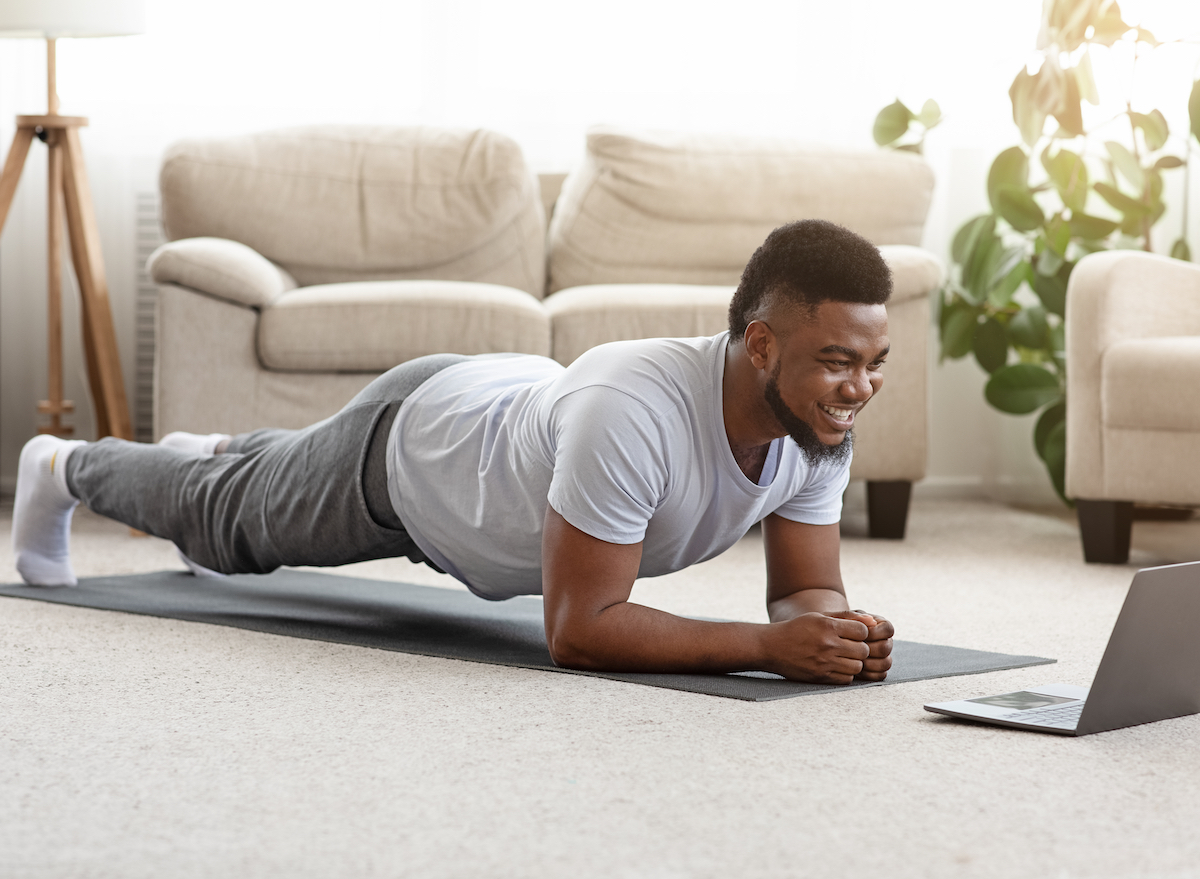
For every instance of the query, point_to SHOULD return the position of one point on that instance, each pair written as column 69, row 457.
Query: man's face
column 829, row 366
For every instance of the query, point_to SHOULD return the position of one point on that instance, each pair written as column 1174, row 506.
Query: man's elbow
column 570, row 648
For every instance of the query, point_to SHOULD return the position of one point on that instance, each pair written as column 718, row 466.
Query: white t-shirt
column 628, row 444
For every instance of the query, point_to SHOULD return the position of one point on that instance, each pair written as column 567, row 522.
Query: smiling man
column 518, row 476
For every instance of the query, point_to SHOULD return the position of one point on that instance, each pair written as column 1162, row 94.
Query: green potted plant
column 1062, row 193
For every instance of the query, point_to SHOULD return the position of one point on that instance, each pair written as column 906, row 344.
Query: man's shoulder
column 662, row 363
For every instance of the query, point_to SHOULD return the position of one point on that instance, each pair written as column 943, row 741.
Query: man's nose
column 858, row 386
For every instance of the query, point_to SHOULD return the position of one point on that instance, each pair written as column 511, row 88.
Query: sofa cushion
column 221, row 268
column 686, row 208
column 583, row 317
column 374, row 325
column 348, row 203
column 1152, row 384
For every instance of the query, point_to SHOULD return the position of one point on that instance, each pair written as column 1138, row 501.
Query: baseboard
column 1006, row 490
column 951, row 488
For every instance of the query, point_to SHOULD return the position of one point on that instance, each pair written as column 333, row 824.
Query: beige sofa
column 304, row 262
column 1133, row 411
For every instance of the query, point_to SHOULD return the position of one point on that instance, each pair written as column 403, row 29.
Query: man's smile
column 843, row 418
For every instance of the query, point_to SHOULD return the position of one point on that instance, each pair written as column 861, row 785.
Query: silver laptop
column 1150, row 670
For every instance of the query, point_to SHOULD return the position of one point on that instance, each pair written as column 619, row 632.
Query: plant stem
column 1137, row 154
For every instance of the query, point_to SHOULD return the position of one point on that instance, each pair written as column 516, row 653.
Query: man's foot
column 42, row 513
column 193, row 443
column 197, row 570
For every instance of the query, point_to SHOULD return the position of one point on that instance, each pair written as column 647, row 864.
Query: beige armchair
column 1133, row 392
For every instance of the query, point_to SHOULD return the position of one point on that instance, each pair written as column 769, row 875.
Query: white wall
column 541, row 71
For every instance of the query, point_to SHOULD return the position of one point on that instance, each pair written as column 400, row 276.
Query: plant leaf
column 1154, row 128
column 1091, row 228
column 1048, row 262
column 1000, row 296
column 1050, row 418
column 891, row 123
column 1022, row 388
column 1070, row 114
column 968, row 236
column 1058, row 235
column 1055, row 457
column 1165, row 162
column 979, row 271
column 1144, row 36
column 990, row 345
column 1070, row 176
column 1010, row 168
column 1052, row 291
column 1065, row 22
column 931, row 114
column 1121, row 201
column 1016, row 205
column 958, row 329
column 1030, row 118
column 1124, row 162
column 1109, row 27
column 1029, row 328
column 1086, row 79
column 1181, row 250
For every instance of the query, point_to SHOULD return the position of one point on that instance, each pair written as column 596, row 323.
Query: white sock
column 42, row 513
column 197, row 570
column 193, row 443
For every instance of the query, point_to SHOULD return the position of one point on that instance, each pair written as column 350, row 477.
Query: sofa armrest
column 1116, row 295
column 222, row 268
column 915, row 272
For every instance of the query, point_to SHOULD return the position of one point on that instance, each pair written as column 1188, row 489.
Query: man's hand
column 820, row 648
column 879, row 643
column 831, row 648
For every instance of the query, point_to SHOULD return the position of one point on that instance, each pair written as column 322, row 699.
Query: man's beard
column 814, row 451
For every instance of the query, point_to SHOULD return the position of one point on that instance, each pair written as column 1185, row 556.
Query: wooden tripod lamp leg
column 13, row 165
column 56, row 406
column 100, row 338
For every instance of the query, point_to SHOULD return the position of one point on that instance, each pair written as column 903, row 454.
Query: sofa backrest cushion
column 349, row 203
column 691, row 209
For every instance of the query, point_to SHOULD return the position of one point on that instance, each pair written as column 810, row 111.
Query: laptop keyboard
column 1051, row 715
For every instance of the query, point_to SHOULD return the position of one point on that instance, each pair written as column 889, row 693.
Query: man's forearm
column 633, row 637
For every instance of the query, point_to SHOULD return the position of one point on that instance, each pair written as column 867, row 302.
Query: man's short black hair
column 806, row 263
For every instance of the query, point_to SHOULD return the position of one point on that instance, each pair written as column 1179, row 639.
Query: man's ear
column 760, row 343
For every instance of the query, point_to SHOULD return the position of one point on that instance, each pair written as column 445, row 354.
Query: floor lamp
column 68, row 188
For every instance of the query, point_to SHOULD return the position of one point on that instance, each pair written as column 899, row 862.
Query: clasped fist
column 831, row 648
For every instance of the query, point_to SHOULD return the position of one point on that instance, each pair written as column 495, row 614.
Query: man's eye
column 878, row 364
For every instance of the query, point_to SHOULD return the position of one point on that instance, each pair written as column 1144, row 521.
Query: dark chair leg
column 1105, row 527
column 887, row 508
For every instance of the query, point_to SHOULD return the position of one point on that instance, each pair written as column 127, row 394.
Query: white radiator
column 147, row 237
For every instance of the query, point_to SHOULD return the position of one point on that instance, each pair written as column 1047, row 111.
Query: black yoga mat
column 438, row 622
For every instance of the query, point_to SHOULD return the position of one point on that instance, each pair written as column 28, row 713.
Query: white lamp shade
column 51, row 19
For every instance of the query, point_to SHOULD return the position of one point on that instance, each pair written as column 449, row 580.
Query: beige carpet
column 139, row 747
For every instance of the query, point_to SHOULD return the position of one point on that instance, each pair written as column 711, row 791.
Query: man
column 518, row 476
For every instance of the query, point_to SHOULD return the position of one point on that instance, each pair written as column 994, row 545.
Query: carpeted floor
column 138, row 747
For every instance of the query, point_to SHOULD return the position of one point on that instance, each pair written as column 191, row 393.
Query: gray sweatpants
column 316, row 496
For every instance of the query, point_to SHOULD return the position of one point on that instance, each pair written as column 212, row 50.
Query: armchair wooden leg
column 1105, row 528
column 887, row 508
